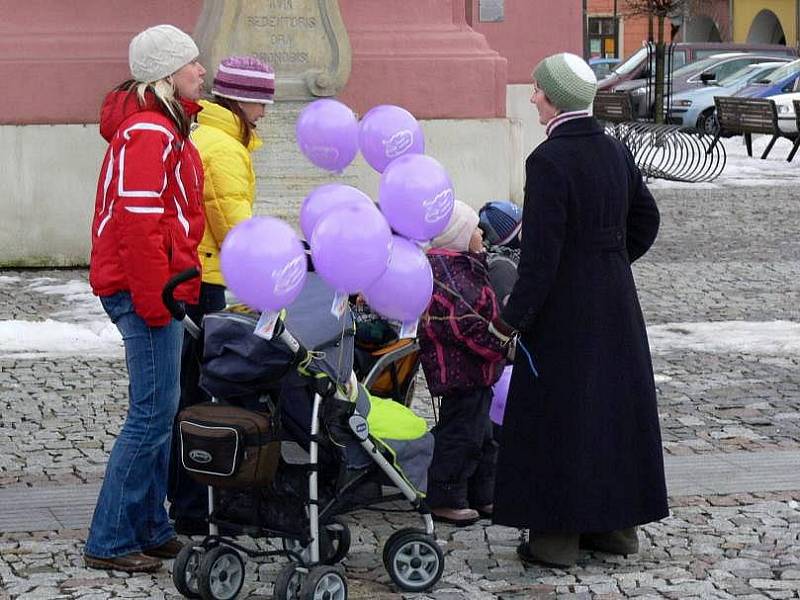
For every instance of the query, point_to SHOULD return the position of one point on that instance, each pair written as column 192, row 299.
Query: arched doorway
column 766, row 29
column 699, row 28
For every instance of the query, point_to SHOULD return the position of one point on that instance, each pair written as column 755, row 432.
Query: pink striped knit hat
column 245, row 78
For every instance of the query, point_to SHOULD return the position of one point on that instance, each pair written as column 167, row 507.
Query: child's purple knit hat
column 245, row 78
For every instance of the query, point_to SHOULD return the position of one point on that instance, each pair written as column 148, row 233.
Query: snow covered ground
column 742, row 170
column 85, row 330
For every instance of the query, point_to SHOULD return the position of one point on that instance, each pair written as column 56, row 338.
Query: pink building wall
column 531, row 30
column 59, row 58
column 422, row 55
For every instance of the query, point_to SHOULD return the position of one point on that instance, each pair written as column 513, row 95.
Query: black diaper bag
column 227, row 446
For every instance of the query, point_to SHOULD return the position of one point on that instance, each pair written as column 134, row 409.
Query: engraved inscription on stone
column 304, row 40
column 492, row 11
column 284, row 32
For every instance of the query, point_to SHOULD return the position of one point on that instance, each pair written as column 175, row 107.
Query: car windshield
column 634, row 60
column 786, row 70
column 744, row 74
column 601, row 69
column 696, row 66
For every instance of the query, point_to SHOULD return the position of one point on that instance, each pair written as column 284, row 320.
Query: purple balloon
column 350, row 247
column 388, row 132
column 325, row 198
column 416, row 196
column 327, row 133
column 404, row 290
column 499, row 396
column 263, row 263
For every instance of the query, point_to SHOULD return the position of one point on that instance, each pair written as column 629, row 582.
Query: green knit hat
column 567, row 81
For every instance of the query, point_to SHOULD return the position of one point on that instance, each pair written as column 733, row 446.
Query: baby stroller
column 384, row 362
column 302, row 379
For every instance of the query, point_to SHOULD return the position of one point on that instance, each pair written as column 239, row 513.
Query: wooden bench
column 613, row 107
column 796, row 104
column 746, row 116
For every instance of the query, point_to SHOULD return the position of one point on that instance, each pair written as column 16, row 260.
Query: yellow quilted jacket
column 230, row 182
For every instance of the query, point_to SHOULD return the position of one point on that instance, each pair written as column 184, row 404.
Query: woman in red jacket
column 148, row 221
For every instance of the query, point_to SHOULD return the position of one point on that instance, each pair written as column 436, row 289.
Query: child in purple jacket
column 461, row 359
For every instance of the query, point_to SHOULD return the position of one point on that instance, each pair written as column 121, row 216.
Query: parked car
column 602, row 66
column 637, row 66
column 780, row 81
column 786, row 115
column 695, row 107
column 693, row 75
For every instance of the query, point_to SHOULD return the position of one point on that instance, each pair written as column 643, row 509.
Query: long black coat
column 581, row 444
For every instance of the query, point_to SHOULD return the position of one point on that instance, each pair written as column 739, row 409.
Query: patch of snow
column 745, row 171
column 771, row 337
column 20, row 339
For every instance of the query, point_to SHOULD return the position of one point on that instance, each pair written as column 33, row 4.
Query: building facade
column 766, row 21
column 461, row 66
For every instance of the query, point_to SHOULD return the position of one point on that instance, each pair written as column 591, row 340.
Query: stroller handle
column 175, row 308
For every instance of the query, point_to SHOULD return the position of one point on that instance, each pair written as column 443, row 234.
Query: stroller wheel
column 324, row 582
column 338, row 534
column 221, row 574
column 413, row 560
column 334, row 543
column 288, row 583
column 184, row 571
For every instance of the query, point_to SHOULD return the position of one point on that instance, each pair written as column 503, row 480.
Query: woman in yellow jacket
column 225, row 137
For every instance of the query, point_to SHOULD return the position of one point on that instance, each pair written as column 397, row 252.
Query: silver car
column 695, row 107
column 696, row 75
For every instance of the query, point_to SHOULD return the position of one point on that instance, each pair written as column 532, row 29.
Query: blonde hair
column 164, row 92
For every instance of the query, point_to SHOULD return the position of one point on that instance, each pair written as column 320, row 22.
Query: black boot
column 621, row 541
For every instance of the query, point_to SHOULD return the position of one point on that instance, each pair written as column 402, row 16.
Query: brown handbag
column 227, row 446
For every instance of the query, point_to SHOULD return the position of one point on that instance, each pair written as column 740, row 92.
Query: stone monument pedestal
column 283, row 175
column 422, row 55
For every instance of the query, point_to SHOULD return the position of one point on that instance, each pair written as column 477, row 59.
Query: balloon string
column 478, row 315
column 461, row 318
column 341, row 345
column 455, row 293
column 528, row 356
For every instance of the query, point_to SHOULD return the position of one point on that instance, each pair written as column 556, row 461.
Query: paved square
column 730, row 417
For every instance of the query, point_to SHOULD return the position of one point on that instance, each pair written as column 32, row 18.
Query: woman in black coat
column 580, row 462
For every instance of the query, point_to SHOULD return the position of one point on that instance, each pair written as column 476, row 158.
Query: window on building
column 602, row 41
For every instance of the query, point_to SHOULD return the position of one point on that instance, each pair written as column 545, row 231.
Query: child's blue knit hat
column 501, row 221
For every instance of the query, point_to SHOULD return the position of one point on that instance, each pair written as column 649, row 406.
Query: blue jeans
column 130, row 514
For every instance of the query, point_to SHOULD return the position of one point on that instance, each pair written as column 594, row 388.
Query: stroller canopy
column 236, row 362
column 310, row 320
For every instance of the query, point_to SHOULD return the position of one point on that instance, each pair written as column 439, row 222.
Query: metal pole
column 616, row 32
column 585, row 32
column 685, row 22
column 797, row 24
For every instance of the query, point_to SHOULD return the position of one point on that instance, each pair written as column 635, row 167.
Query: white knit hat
column 159, row 51
column 463, row 223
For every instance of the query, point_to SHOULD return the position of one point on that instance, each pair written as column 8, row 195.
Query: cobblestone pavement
column 722, row 255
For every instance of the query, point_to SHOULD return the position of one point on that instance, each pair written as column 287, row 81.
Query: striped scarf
column 563, row 118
